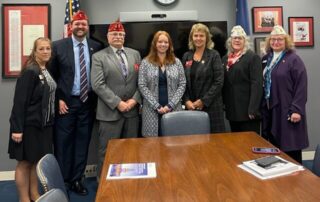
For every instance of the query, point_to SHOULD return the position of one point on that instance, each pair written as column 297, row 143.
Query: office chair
column 49, row 174
column 185, row 123
column 54, row 195
column 316, row 161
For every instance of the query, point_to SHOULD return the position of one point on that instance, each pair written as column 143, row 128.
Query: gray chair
column 54, row 195
column 185, row 123
column 49, row 174
column 316, row 161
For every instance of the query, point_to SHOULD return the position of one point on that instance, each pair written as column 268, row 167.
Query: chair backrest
column 49, row 174
column 185, row 123
column 54, row 195
column 316, row 161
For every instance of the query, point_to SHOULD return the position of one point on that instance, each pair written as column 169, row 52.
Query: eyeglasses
column 119, row 34
column 277, row 39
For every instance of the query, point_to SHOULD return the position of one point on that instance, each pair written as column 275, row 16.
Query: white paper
column 280, row 168
column 14, row 40
column 301, row 32
column 30, row 34
column 268, row 177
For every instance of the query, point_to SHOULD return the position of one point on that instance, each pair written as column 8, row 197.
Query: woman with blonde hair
column 242, row 90
column 284, row 121
column 161, row 82
column 32, row 118
column 204, row 74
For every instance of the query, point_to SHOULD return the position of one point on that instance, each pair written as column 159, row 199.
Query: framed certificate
column 301, row 30
column 21, row 25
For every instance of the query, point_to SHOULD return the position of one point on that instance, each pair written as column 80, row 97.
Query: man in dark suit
column 114, row 78
column 70, row 67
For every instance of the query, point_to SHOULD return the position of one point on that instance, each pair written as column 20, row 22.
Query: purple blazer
column 288, row 95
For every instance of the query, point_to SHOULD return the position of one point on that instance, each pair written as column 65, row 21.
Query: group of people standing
column 82, row 77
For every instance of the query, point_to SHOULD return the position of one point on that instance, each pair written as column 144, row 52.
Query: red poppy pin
column 188, row 63
column 136, row 67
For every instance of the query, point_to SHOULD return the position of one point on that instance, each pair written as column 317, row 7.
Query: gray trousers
column 122, row 128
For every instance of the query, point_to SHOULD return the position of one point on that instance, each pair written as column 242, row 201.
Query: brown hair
column 32, row 58
column 153, row 58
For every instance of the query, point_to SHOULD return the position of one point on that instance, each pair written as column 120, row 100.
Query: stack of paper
column 132, row 170
column 279, row 168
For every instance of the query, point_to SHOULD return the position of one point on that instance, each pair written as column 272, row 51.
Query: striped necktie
column 83, row 75
column 122, row 63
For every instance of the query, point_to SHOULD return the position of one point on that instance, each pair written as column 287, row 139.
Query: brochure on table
column 132, row 170
column 280, row 168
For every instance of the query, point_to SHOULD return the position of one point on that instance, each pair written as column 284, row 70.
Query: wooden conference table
column 200, row 168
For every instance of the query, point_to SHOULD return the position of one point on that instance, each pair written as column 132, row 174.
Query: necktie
column 122, row 63
column 83, row 75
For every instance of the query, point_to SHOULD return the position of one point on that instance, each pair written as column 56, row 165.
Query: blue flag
column 242, row 16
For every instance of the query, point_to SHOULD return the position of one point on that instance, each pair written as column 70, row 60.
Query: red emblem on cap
column 116, row 27
column 80, row 15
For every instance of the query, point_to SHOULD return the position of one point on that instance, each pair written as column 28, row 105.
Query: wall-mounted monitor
column 139, row 34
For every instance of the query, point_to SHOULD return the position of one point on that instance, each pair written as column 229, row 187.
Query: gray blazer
column 148, row 86
column 111, row 86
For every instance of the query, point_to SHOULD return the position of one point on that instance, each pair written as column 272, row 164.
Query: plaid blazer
column 207, row 85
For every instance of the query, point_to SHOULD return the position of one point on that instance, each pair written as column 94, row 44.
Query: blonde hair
column 153, row 58
column 199, row 27
column 288, row 40
column 247, row 44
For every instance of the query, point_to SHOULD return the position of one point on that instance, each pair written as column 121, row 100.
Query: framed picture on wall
column 264, row 18
column 21, row 25
column 260, row 45
column 301, row 30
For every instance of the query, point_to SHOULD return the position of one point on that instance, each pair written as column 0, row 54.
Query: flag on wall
column 72, row 6
column 242, row 15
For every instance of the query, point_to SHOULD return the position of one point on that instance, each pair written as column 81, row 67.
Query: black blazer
column 208, row 80
column 28, row 108
column 242, row 91
column 62, row 66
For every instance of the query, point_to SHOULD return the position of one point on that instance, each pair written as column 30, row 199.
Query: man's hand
column 123, row 106
column 131, row 103
column 63, row 108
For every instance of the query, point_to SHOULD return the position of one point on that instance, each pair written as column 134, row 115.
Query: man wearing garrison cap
column 76, row 101
column 114, row 77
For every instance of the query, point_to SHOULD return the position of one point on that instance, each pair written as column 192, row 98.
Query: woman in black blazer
column 31, row 119
column 242, row 91
column 204, row 74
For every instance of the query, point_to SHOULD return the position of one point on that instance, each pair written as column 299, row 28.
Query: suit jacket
column 207, row 85
column 62, row 65
column 242, row 90
column 111, row 86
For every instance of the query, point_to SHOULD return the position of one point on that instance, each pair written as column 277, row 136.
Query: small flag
column 72, row 6
column 242, row 15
